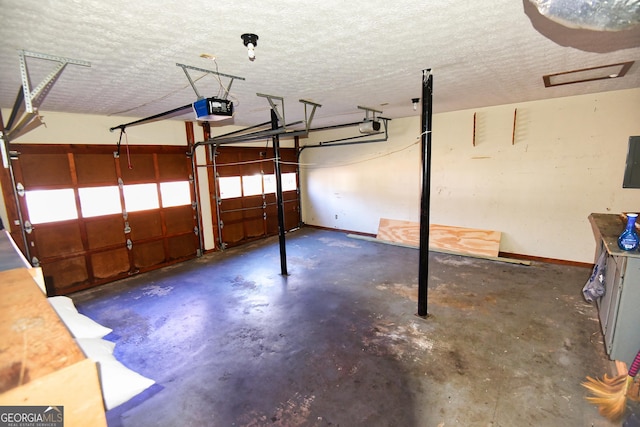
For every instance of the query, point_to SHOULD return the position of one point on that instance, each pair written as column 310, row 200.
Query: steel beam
column 423, row 267
column 281, row 226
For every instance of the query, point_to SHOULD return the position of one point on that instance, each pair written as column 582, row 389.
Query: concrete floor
column 231, row 342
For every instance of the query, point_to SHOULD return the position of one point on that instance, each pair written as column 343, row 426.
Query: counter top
column 609, row 227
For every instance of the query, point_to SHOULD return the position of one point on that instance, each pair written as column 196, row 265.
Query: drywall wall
column 62, row 128
column 566, row 161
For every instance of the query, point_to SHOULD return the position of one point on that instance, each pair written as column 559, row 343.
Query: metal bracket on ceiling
column 274, row 107
column 309, row 119
column 368, row 110
column 28, row 100
column 31, row 96
column 185, row 68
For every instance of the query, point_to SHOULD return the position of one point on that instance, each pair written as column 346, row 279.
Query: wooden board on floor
column 458, row 239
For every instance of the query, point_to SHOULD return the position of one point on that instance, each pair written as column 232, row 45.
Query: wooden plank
column 465, row 240
column 442, row 251
column 35, row 342
column 40, row 362
column 76, row 388
column 457, row 239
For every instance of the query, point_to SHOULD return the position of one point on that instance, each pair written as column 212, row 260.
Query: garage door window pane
column 96, row 201
column 269, row 184
column 289, row 181
column 230, row 187
column 175, row 193
column 252, row 185
column 51, row 205
column 140, row 197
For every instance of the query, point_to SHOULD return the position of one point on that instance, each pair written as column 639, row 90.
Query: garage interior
column 322, row 215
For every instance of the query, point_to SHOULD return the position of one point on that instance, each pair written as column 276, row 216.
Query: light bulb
column 251, row 52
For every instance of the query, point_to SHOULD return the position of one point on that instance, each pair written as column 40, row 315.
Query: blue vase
column 629, row 240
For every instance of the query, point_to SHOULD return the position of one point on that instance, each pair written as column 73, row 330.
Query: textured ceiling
column 336, row 53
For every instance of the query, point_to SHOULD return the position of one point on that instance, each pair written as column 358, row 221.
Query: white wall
column 62, row 128
column 567, row 161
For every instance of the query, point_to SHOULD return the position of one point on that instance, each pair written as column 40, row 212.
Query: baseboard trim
column 547, row 260
column 501, row 254
column 339, row 230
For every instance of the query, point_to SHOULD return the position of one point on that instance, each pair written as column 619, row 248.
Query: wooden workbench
column 40, row 362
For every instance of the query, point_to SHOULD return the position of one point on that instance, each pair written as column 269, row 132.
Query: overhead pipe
column 257, row 135
column 235, row 132
column 174, row 111
column 423, row 267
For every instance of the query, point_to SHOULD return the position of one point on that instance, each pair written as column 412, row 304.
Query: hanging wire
column 335, row 165
column 247, row 162
column 126, row 139
column 221, row 87
column 319, row 166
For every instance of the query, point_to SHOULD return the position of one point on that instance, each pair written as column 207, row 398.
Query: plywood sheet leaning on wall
column 456, row 239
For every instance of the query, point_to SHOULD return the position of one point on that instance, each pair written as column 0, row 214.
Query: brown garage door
column 243, row 193
column 94, row 217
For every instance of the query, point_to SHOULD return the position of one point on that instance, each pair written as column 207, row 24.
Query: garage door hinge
column 20, row 189
column 129, row 244
column 35, row 262
column 127, row 228
column 196, row 231
column 28, row 227
column 221, row 224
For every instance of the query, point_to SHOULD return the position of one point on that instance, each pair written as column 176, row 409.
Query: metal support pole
column 281, row 227
column 423, row 268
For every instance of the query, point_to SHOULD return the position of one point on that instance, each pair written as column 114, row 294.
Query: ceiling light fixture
column 613, row 15
column 250, row 41
column 415, row 102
